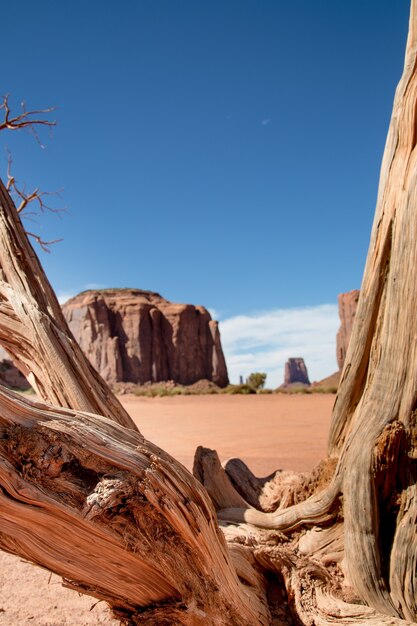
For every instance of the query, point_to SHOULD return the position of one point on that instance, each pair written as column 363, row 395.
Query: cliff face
column 137, row 336
column 295, row 372
column 347, row 310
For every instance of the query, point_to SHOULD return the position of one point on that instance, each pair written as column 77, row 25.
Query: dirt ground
column 266, row 431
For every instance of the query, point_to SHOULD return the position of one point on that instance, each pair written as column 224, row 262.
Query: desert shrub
column 239, row 389
column 158, row 391
column 294, row 389
column 323, row 389
column 301, row 389
column 256, row 380
column 169, row 388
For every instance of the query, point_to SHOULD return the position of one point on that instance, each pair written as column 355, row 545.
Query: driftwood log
column 85, row 495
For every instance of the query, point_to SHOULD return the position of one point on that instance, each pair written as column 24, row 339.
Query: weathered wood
column 256, row 491
column 324, row 544
column 318, row 509
column 118, row 519
column 208, row 470
column 121, row 520
column 402, row 577
column 373, row 425
column 34, row 331
column 282, row 488
column 315, row 595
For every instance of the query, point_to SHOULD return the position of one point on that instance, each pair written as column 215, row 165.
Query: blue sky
column 223, row 153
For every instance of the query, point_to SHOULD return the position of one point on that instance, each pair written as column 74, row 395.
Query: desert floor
column 267, row 431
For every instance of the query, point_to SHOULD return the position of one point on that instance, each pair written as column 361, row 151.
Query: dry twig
column 23, row 199
column 26, row 119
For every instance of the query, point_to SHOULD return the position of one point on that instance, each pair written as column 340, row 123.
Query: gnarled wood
column 208, row 470
column 373, row 427
column 323, row 544
column 34, row 331
column 267, row 493
column 282, row 488
column 315, row 595
column 117, row 518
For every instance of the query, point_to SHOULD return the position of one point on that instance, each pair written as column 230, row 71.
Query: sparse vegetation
column 323, row 389
column 206, row 387
column 256, row 380
column 158, row 391
column 244, row 389
column 294, row 389
column 299, row 389
column 168, row 388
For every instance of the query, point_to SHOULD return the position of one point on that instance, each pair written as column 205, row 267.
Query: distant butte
column 296, row 372
column 131, row 335
column 348, row 303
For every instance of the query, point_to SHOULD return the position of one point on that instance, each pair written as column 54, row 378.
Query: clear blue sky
column 223, row 153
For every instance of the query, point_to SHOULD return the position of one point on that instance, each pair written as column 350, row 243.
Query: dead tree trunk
column 35, row 333
column 119, row 519
column 91, row 500
column 373, row 431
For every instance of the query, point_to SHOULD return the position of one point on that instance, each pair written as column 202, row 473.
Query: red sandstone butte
column 295, row 372
column 347, row 310
column 130, row 335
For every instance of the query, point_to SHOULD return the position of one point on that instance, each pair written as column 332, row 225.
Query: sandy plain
column 266, row 431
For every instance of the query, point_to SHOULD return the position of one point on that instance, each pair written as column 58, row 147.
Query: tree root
column 318, row 509
column 315, row 596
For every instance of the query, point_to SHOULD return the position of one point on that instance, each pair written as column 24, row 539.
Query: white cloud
column 264, row 341
column 265, row 122
column 63, row 296
column 93, row 286
column 215, row 315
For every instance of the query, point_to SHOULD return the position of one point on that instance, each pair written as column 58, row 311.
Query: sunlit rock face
column 295, row 372
column 130, row 335
column 348, row 303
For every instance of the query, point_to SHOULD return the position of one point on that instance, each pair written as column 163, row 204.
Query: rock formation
column 137, row 336
column 347, row 309
column 296, row 372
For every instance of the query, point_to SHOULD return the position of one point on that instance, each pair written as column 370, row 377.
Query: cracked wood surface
column 117, row 518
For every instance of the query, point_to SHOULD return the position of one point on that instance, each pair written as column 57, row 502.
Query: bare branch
column 43, row 244
column 29, row 120
column 26, row 198
column 23, row 199
column 26, row 119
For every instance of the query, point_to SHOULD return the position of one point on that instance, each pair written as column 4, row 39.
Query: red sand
column 268, row 432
